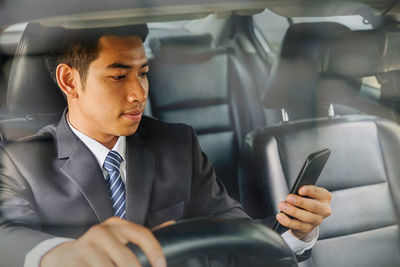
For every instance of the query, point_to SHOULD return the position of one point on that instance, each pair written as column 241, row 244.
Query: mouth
column 134, row 115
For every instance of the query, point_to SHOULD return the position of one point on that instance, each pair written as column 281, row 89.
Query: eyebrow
column 123, row 66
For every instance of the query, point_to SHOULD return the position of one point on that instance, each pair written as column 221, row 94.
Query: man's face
column 111, row 100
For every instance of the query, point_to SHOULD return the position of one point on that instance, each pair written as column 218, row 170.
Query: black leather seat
column 33, row 99
column 203, row 86
column 296, row 73
column 3, row 83
column 362, row 174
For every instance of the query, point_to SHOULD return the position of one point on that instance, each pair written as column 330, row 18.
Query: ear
column 68, row 80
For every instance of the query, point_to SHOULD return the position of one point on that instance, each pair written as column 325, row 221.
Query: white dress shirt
column 33, row 257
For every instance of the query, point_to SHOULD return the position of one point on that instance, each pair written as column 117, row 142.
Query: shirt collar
column 100, row 152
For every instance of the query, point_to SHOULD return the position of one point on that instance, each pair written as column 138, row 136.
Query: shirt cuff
column 33, row 257
column 299, row 246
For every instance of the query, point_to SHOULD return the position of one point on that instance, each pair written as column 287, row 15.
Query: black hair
column 79, row 47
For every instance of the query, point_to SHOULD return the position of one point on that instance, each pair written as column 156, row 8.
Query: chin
column 128, row 131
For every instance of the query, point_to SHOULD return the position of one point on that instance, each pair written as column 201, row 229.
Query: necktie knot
column 113, row 161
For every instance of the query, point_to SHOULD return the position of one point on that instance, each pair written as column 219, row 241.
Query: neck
column 106, row 140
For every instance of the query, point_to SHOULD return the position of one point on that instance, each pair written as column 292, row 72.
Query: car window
column 211, row 69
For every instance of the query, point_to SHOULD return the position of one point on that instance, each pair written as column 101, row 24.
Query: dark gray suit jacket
column 51, row 185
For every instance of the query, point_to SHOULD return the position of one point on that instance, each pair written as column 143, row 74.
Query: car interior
column 263, row 86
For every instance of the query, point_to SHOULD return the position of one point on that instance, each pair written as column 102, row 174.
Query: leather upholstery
column 19, row 127
column 33, row 99
column 30, row 89
column 362, row 174
column 323, row 63
column 194, row 83
column 363, row 53
column 295, row 76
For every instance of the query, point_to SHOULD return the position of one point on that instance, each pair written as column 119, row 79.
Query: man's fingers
column 308, row 209
column 312, row 205
column 300, row 214
column 315, row 192
column 144, row 238
column 93, row 258
column 129, row 232
column 104, row 245
column 293, row 224
column 110, row 245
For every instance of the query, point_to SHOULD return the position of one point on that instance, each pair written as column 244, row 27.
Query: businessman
column 77, row 192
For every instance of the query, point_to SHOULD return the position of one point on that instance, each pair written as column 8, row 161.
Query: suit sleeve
column 19, row 219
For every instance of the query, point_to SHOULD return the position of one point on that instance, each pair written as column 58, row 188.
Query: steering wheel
column 233, row 242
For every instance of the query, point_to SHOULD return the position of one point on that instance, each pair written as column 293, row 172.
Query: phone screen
column 308, row 175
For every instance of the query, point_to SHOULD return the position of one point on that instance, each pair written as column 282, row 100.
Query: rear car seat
column 319, row 55
column 353, row 55
column 195, row 83
column 295, row 74
column 29, row 112
column 362, row 173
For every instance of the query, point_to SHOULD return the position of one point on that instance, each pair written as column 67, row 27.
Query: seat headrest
column 30, row 88
column 189, row 44
column 311, row 51
column 298, row 64
column 360, row 54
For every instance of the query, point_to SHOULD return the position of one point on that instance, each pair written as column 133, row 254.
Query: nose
column 137, row 91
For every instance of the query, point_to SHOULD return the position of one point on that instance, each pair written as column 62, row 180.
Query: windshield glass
column 181, row 126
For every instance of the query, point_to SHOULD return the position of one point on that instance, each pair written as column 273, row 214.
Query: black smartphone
column 308, row 175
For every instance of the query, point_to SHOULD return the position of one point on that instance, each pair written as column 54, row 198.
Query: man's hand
column 104, row 245
column 308, row 210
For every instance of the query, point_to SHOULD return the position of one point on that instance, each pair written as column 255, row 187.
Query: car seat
column 193, row 81
column 362, row 172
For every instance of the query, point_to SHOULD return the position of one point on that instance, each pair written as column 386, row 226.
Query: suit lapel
column 139, row 179
column 83, row 170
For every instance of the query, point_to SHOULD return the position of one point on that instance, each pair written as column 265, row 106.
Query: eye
column 143, row 74
column 119, row 77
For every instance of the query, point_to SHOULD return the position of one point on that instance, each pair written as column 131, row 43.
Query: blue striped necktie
column 115, row 184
